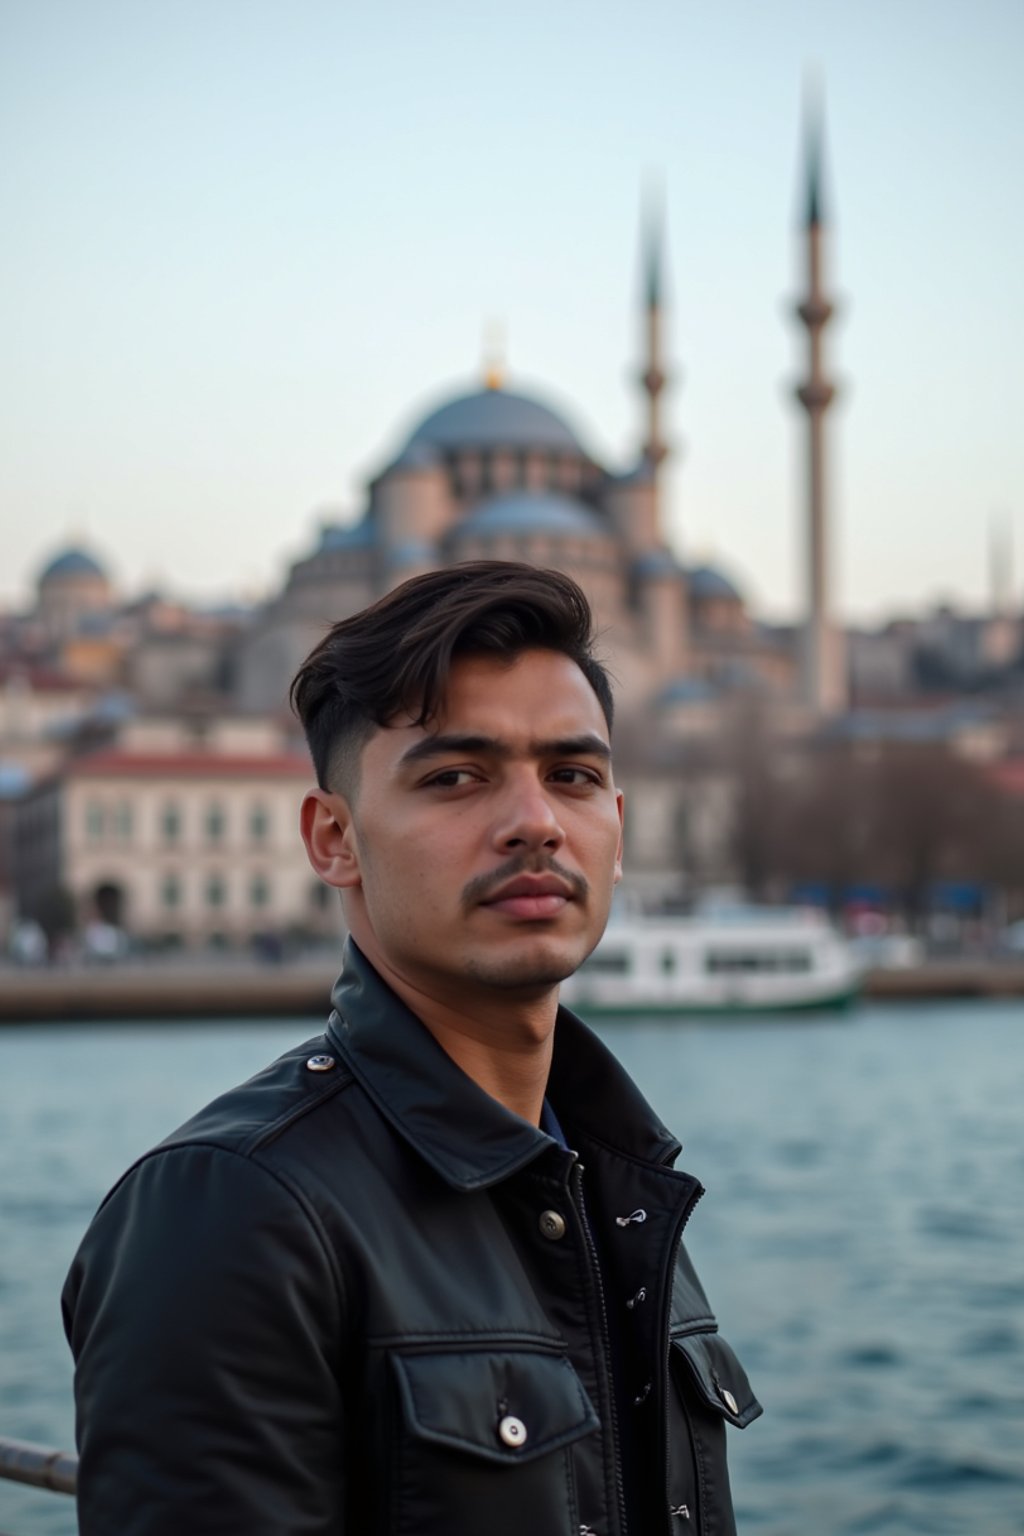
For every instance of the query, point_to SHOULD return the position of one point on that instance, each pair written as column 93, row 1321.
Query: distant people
column 423, row 1274
column 27, row 944
column 104, row 943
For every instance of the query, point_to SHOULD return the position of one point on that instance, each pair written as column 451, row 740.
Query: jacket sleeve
column 204, row 1315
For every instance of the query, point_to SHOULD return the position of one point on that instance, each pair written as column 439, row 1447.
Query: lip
column 529, row 885
column 531, row 896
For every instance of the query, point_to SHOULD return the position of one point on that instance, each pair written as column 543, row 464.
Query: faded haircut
column 393, row 659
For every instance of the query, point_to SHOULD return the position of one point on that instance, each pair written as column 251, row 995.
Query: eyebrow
column 445, row 745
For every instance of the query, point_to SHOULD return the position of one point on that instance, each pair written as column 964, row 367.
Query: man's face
column 485, row 846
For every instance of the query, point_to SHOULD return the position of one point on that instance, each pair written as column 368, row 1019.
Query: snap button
column 552, row 1226
column 729, row 1401
column 319, row 1063
column 512, row 1431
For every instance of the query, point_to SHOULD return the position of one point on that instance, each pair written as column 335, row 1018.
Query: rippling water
column 862, row 1240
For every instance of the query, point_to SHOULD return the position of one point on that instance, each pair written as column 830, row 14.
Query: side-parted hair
column 393, row 659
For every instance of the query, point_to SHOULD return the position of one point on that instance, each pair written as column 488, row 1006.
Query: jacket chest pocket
column 709, row 1390
column 484, row 1443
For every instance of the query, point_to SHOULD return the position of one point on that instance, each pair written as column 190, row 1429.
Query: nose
column 527, row 820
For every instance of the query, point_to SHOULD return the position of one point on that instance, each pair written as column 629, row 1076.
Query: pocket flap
column 718, row 1376
column 505, row 1406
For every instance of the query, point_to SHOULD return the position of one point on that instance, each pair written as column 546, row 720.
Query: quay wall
column 155, row 992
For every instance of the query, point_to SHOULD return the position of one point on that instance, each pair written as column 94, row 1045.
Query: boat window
column 610, row 962
column 735, row 962
column 668, row 961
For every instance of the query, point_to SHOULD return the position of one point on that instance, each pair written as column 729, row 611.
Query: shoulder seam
column 269, row 1132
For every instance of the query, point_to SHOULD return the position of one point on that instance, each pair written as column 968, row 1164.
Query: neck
column 501, row 1040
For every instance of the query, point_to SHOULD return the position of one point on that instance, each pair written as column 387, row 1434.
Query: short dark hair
column 394, row 657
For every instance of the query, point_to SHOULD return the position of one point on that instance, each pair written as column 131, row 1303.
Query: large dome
column 495, row 418
column 707, row 583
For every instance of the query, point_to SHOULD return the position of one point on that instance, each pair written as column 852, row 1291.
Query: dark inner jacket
column 357, row 1296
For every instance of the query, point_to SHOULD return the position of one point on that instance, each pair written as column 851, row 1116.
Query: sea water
column 862, row 1239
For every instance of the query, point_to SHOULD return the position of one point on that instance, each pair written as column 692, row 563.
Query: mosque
column 493, row 473
column 497, row 473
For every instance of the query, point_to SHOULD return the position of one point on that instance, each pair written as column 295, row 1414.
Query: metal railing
column 38, row 1465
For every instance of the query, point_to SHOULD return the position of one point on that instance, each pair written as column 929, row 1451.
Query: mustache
column 483, row 886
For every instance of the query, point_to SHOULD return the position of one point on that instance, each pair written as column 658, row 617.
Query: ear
column 328, row 832
column 620, row 805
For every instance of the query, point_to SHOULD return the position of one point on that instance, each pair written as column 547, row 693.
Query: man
column 423, row 1274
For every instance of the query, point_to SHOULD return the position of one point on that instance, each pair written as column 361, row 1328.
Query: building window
column 215, row 823
column 170, row 893
column 259, row 891
column 170, row 823
column 95, row 822
column 216, row 894
column 123, row 821
column 259, row 823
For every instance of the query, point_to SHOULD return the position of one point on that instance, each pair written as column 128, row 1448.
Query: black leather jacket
column 356, row 1296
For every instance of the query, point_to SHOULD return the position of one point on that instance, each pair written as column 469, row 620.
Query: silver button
column 729, row 1401
column 319, row 1063
column 512, row 1431
column 552, row 1226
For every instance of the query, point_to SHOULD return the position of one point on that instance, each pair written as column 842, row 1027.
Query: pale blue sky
column 248, row 242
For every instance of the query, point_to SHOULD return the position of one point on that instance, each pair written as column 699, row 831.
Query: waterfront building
column 178, row 843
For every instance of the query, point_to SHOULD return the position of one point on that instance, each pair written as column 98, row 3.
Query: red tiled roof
column 194, row 765
column 1009, row 775
column 42, row 678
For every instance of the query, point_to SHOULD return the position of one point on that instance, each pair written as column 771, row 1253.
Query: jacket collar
column 470, row 1139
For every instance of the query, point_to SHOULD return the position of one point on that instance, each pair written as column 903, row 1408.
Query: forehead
column 537, row 695
column 531, row 687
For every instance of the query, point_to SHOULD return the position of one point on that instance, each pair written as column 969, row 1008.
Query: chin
column 537, row 968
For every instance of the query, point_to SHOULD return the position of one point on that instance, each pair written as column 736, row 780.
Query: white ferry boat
column 745, row 960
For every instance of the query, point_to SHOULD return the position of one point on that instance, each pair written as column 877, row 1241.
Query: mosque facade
column 496, row 474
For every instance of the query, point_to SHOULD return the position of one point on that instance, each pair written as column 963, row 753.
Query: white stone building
column 178, row 847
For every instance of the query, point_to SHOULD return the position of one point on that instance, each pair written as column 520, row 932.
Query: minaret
column 653, row 378
column 823, row 673
column 1000, row 565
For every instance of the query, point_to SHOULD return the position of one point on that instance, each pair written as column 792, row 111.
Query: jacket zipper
column 677, row 1237
column 588, row 1238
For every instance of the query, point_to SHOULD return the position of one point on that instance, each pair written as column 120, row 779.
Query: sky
column 249, row 243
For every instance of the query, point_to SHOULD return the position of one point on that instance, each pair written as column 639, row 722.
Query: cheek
column 403, row 877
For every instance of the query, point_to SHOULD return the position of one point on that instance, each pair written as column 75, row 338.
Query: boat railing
column 38, row 1465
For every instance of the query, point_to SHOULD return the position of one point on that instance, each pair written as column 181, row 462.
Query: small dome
column 494, row 418
column 336, row 536
column 686, row 690
column 412, row 552
column 656, row 562
column 707, row 582
column 519, row 512
column 72, row 562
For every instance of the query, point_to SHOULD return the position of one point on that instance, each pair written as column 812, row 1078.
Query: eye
column 450, row 778
column 575, row 776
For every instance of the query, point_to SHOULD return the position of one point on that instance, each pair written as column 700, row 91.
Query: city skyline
column 247, row 253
